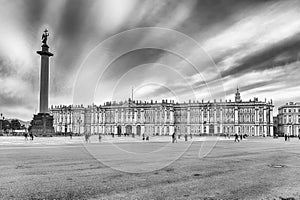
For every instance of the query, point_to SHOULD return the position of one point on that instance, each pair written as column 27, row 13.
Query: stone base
column 42, row 125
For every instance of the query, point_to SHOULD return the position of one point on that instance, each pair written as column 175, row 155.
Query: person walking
column 173, row 136
column 31, row 136
column 236, row 138
column 100, row 137
column 186, row 137
column 26, row 136
column 87, row 138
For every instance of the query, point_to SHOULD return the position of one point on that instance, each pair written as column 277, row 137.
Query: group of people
column 238, row 137
column 145, row 137
column 174, row 137
column 30, row 135
column 287, row 137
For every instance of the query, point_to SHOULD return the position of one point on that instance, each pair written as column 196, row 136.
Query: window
column 205, row 114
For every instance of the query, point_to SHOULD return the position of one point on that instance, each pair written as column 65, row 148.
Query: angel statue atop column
column 45, row 36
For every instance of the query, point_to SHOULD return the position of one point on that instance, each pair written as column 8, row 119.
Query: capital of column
column 45, row 51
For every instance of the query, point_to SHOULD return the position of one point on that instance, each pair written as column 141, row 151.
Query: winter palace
column 251, row 117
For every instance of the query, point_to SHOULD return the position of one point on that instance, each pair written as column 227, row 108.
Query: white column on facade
column 256, row 121
column 171, row 130
column 116, row 116
column 122, row 116
column 134, row 129
column 93, row 120
column 97, row 122
column 221, row 120
column 92, row 116
column 100, row 117
column 102, row 129
column 155, row 117
column 171, row 116
column 265, row 121
column 189, row 129
column 202, row 121
column 236, row 120
column 165, row 114
column 82, row 122
column 123, row 129
column 208, row 120
column 188, row 120
column 135, row 116
column 116, row 130
column 215, row 121
column 256, row 117
column 104, row 116
column 142, row 129
column 161, row 120
column 271, row 122
column 265, row 115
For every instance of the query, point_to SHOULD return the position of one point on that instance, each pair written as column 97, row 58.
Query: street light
column 1, row 122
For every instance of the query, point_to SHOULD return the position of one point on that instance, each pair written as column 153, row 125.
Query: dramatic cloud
column 251, row 44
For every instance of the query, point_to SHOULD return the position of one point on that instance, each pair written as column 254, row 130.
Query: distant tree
column 15, row 124
column 5, row 124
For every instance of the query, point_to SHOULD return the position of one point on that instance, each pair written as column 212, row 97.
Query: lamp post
column 1, row 120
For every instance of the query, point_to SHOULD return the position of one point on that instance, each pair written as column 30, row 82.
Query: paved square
column 256, row 168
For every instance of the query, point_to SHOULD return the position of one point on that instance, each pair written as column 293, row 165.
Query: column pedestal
column 42, row 125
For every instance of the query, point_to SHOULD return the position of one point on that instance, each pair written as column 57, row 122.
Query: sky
column 159, row 49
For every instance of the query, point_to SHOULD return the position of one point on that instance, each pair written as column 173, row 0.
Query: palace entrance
column 138, row 130
column 128, row 129
column 119, row 130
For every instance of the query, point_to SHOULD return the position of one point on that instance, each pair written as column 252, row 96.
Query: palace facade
column 289, row 119
column 251, row 117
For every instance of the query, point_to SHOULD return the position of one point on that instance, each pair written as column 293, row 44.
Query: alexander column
column 44, row 79
column 42, row 123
